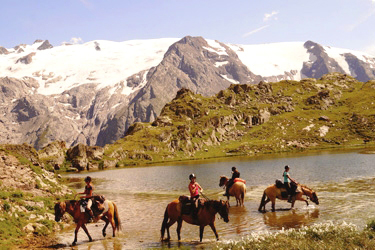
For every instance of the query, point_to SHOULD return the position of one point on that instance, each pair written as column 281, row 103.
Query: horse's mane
column 304, row 186
column 212, row 203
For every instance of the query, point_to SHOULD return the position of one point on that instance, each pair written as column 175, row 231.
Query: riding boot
column 91, row 214
column 290, row 198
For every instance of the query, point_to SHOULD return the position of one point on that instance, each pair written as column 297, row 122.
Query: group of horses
column 173, row 212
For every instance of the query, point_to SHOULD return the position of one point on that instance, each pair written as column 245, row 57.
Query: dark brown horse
column 109, row 215
column 205, row 216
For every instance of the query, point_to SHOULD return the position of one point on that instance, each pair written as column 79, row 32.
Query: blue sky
column 339, row 23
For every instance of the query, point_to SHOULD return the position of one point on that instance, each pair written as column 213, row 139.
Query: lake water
column 344, row 182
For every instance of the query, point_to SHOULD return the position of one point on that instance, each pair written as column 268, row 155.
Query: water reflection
column 292, row 219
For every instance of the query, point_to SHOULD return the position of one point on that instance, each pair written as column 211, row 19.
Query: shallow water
column 344, row 183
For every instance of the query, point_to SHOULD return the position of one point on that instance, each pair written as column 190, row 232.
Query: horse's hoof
column 74, row 243
column 90, row 239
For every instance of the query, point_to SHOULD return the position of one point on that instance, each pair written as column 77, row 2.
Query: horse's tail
column 164, row 224
column 116, row 217
column 262, row 201
column 243, row 194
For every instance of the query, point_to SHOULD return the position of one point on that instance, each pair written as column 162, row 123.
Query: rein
column 204, row 196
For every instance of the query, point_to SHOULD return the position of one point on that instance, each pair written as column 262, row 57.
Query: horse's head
column 60, row 208
column 223, row 181
column 223, row 210
column 314, row 198
column 311, row 194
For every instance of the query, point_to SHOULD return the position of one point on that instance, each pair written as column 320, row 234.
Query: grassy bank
column 319, row 236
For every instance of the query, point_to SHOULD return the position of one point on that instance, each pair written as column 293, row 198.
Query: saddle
column 187, row 206
column 295, row 188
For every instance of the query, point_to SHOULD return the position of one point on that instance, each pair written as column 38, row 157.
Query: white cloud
column 76, row 40
column 272, row 15
column 255, row 31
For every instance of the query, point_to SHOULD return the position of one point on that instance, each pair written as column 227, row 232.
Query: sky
column 345, row 24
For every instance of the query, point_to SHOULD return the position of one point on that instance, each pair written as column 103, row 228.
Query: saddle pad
column 239, row 180
column 82, row 208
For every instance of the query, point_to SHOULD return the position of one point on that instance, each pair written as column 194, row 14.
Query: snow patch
column 230, row 80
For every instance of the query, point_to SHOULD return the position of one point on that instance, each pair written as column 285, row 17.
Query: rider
column 194, row 189
column 287, row 182
column 88, row 194
column 235, row 174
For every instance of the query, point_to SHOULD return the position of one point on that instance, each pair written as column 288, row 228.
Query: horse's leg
column 79, row 224
column 87, row 232
column 105, row 226
column 273, row 204
column 228, row 200
column 179, row 225
column 169, row 224
column 265, row 203
column 212, row 225
column 201, row 229
column 112, row 221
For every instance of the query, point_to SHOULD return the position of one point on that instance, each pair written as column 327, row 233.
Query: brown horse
column 109, row 215
column 272, row 192
column 206, row 216
column 238, row 190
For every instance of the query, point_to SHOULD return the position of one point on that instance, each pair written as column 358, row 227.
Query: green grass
column 319, row 236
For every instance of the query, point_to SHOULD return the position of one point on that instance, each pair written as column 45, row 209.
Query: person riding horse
column 289, row 183
column 194, row 189
column 88, row 194
column 235, row 174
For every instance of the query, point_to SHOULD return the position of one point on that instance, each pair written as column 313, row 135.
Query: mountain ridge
column 98, row 105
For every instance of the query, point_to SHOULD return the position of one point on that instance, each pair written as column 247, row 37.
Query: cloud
column 272, row 15
column 76, row 40
column 255, row 31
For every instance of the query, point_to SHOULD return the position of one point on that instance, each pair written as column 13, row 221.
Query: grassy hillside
column 27, row 195
column 332, row 112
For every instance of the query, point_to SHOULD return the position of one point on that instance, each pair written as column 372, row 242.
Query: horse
column 205, row 216
column 272, row 192
column 238, row 189
column 109, row 215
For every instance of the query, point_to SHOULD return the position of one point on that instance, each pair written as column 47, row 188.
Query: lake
column 344, row 182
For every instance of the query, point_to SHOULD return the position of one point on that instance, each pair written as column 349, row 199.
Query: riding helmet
column 191, row 176
column 88, row 179
column 233, row 168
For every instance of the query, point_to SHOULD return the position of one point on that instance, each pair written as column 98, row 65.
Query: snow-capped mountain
column 91, row 93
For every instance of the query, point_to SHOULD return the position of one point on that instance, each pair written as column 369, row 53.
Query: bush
column 6, row 207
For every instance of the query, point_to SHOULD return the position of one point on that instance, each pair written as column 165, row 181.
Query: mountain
column 92, row 93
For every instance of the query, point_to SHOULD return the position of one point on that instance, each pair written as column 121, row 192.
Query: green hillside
column 335, row 111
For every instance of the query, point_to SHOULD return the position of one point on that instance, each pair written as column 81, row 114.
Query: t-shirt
column 196, row 192
column 286, row 175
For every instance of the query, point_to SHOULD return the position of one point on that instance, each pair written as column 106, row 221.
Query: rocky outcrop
column 361, row 70
column 320, row 63
column 81, row 156
column 53, row 153
column 3, row 51
column 45, row 45
column 26, row 59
